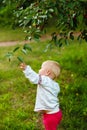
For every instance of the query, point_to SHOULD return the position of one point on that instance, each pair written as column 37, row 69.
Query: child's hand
column 23, row 66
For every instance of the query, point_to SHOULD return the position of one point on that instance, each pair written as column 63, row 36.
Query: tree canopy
column 67, row 16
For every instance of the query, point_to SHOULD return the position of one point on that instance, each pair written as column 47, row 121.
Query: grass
column 17, row 94
column 9, row 34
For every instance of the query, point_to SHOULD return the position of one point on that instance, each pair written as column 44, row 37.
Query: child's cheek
column 41, row 72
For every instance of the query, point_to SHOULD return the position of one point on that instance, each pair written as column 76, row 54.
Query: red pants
column 51, row 121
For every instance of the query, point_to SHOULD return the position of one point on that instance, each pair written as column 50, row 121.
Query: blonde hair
column 53, row 66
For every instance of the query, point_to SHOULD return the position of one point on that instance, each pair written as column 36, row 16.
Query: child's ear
column 48, row 72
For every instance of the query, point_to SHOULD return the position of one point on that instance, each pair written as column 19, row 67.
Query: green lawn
column 17, row 94
column 9, row 34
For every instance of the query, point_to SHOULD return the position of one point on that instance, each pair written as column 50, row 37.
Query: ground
column 43, row 38
column 12, row 43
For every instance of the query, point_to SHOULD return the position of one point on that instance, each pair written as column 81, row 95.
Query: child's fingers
column 22, row 66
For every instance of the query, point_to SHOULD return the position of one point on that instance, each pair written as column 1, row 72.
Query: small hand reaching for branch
column 23, row 66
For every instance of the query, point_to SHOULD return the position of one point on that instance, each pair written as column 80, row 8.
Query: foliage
column 6, row 13
column 25, row 48
column 69, row 15
column 17, row 94
column 7, row 8
column 66, row 16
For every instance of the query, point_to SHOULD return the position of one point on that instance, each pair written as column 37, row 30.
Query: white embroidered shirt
column 47, row 91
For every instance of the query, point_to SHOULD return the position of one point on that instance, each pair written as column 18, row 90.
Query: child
column 47, row 91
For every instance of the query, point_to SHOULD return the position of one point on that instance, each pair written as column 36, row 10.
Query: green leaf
column 60, row 40
column 27, row 47
column 71, row 36
column 24, row 51
column 48, row 47
column 66, row 42
column 9, row 55
column 16, row 49
column 54, row 36
column 37, row 36
column 20, row 59
column 79, row 38
column 51, row 10
column 71, row 22
column 60, row 44
column 43, row 16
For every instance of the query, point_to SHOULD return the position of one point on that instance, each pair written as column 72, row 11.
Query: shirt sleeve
column 31, row 75
column 35, row 78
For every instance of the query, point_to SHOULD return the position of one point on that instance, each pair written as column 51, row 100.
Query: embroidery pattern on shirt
column 40, row 79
